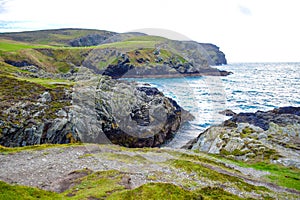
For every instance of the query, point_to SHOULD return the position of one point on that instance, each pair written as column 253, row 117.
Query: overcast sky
column 245, row 30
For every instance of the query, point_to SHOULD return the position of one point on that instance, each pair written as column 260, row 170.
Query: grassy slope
column 58, row 37
column 284, row 176
column 61, row 59
column 10, row 45
column 108, row 184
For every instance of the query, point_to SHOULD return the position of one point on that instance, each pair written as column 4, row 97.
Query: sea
column 251, row 87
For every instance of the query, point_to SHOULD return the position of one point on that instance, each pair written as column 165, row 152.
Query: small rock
column 227, row 112
column 45, row 97
column 61, row 113
column 262, row 136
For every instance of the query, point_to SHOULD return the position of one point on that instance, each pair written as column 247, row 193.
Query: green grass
column 106, row 185
column 9, row 150
column 96, row 185
column 129, row 45
column 12, row 192
column 8, row 46
column 48, row 83
column 56, row 37
column 280, row 175
column 124, row 158
column 148, row 38
column 156, row 191
column 207, row 173
column 217, row 193
column 288, row 177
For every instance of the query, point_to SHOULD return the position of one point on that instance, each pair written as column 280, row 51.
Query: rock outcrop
column 273, row 135
column 90, row 40
column 116, row 112
column 136, row 115
column 153, row 63
column 217, row 57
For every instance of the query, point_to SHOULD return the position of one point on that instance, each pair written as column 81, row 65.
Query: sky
column 245, row 30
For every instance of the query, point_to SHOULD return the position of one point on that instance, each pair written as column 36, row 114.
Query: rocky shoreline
column 273, row 135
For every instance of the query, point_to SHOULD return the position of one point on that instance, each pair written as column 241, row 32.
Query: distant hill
column 61, row 50
column 56, row 37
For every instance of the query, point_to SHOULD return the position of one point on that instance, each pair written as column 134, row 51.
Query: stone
column 227, row 112
column 45, row 97
column 136, row 116
column 262, row 136
column 271, row 135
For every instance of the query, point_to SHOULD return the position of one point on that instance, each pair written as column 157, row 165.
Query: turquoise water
column 251, row 87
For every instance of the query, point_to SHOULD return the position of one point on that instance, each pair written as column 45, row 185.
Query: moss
column 217, row 193
column 5, row 150
column 156, row 191
column 63, row 67
column 246, row 132
column 124, row 157
column 201, row 159
column 86, row 155
column 23, row 192
column 205, row 172
column 96, row 185
column 280, row 175
column 238, row 152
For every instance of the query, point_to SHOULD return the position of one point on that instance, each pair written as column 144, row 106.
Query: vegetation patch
column 204, row 172
column 10, row 192
column 288, row 177
column 124, row 157
column 217, row 193
column 98, row 185
column 7, row 150
column 284, row 176
column 156, row 191
column 246, row 132
column 9, row 45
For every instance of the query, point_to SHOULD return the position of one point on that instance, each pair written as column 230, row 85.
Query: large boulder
column 136, row 115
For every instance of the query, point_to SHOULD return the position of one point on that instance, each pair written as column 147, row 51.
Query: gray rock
column 45, row 97
column 262, row 136
column 135, row 116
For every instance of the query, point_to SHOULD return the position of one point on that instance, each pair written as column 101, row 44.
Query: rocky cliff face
column 217, row 56
column 137, row 116
column 272, row 136
column 119, row 112
column 150, row 63
column 90, row 40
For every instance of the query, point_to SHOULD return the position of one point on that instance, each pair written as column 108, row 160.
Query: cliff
column 52, row 50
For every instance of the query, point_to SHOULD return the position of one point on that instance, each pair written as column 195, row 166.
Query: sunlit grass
column 8, row 45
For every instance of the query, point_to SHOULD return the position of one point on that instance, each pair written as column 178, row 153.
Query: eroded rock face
column 272, row 135
column 108, row 111
column 136, row 116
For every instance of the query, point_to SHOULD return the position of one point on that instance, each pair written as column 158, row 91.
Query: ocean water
column 251, row 87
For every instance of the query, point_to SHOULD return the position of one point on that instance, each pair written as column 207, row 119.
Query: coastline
column 219, row 73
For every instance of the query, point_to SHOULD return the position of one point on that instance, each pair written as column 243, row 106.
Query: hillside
column 59, row 37
column 63, row 49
